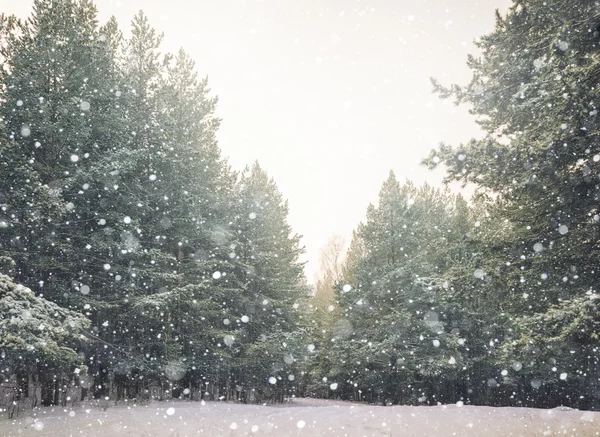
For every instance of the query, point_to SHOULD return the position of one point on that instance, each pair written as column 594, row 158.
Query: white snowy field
column 303, row 417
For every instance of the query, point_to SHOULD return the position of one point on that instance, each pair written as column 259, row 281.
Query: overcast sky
column 328, row 95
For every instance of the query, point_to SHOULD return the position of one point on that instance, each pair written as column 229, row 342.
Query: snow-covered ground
column 303, row 417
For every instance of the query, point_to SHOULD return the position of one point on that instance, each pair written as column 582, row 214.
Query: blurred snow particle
column 170, row 411
column 538, row 247
column 74, row 158
column 563, row 376
column 300, row 424
column 346, row 288
column 517, row 366
column 563, row 45
column 288, row 359
column 127, row 219
column 333, row 386
column 252, row 215
column 335, row 39
column 228, row 340
column 245, row 319
column 152, row 177
column 165, row 222
column 217, row 275
column 86, row 381
column 272, row 380
column 479, row 273
column 84, row 289
column 175, row 370
column 432, row 320
column 84, row 106
column 233, row 425
column 563, row 229
column 25, row 132
column 38, row 426
column 436, row 343
column 106, row 266
column 310, row 348
column 452, row 361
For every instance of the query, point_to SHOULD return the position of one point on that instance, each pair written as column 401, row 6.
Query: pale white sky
column 328, row 95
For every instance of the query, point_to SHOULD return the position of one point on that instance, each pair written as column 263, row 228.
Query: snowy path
column 305, row 417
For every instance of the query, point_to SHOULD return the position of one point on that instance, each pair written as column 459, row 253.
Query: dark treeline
column 136, row 264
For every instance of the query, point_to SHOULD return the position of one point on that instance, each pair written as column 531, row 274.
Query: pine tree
column 117, row 204
column 38, row 339
column 270, row 273
column 533, row 92
column 396, row 339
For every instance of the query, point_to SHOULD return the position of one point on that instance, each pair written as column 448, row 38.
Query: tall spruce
column 534, row 92
column 117, row 204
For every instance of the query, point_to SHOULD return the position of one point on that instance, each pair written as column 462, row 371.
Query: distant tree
column 266, row 252
column 330, row 271
column 393, row 336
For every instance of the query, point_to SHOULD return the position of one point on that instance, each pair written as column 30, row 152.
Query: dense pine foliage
column 117, row 205
column 492, row 302
column 146, row 265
